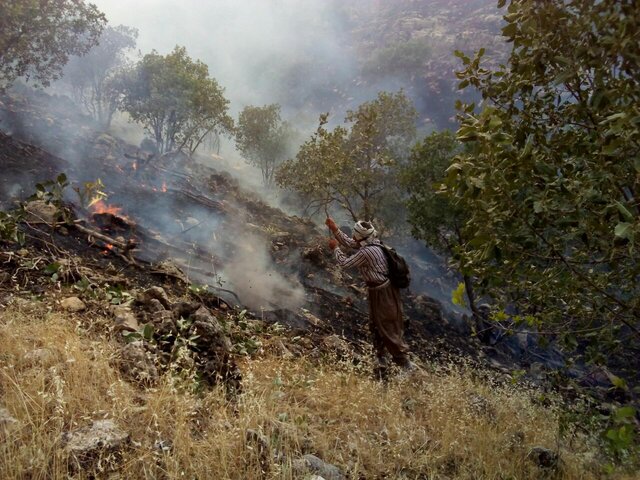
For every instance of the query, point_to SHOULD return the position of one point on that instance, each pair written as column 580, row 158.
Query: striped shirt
column 369, row 259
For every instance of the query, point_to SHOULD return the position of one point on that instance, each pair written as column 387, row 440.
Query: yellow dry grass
column 436, row 425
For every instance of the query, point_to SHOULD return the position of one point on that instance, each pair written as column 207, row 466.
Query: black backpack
column 399, row 274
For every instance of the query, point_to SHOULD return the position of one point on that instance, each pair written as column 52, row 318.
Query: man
column 385, row 308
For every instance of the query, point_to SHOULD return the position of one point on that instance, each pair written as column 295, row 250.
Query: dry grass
column 433, row 426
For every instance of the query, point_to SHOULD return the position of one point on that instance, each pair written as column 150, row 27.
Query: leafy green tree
column 38, row 37
column 355, row 167
column 551, row 188
column 263, row 138
column 433, row 216
column 175, row 100
column 94, row 77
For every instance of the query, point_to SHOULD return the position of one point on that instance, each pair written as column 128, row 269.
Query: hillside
column 107, row 324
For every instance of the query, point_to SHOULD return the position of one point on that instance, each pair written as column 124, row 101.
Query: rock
column 163, row 445
column 87, row 445
column 169, row 268
column 7, row 422
column 124, row 318
column 164, row 323
column 481, row 406
column 154, row 306
column 544, row 458
column 39, row 211
column 312, row 464
column 523, row 340
column 139, row 364
column 41, row 357
column 311, row 318
column 213, row 349
column 537, row 371
column 211, row 334
column 156, row 293
column 73, row 304
column 185, row 309
column 4, row 277
column 337, row 345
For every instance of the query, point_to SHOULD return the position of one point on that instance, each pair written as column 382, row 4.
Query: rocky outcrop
column 310, row 464
column 87, row 446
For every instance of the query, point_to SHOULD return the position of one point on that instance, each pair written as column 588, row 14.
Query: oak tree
column 263, row 138
column 95, row 78
column 38, row 37
column 355, row 166
column 176, row 100
column 551, row 188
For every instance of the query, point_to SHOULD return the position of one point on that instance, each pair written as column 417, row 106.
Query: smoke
column 254, row 48
column 253, row 276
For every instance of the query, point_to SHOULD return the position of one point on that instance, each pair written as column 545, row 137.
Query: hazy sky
column 243, row 41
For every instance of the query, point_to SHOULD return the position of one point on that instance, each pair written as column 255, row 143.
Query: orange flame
column 107, row 248
column 101, row 207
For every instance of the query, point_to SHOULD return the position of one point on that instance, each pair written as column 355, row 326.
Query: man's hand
column 331, row 224
column 333, row 243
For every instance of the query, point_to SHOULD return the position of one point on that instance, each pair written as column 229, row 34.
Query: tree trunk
column 471, row 296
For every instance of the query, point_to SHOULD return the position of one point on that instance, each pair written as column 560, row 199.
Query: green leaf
column 615, row 116
column 624, row 211
column 562, row 77
column 495, row 122
column 510, row 30
column 527, row 146
column 538, row 206
column 624, row 230
column 617, row 381
column 457, row 296
column 147, row 332
column 625, row 412
column 52, row 268
column 563, row 60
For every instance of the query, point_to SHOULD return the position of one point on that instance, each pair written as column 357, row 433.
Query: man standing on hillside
column 385, row 309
